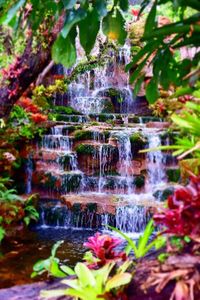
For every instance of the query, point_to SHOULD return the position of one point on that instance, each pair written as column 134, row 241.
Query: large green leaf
column 64, row 50
column 151, row 19
column 5, row 19
column 118, row 280
column 114, row 27
column 72, row 18
column 101, row 7
column 55, row 270
column 90, row 24
column 144, row 238
column 85, row 276
column 68, row 4
column 152, row 92
column 123, row 4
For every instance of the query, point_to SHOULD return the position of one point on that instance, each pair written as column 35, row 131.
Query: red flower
column 102, row 247
column 185, row 98
column 182, row 217
column 135, row 12
column 38, row 118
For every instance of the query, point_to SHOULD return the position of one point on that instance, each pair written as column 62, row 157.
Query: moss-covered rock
column 138, row 142
column 173, row 175
column 85, row 149
column 116, row 97
column 66, row 110
column 162, row 195
column 80, row 135
column 139, row 181
column 108, row 107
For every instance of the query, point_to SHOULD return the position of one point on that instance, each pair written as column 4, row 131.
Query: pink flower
column 135, row 12
column 102, row 247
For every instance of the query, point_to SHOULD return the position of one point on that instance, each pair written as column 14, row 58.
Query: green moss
column 85, row 149
column 70, row 182
column 76, row 208
column 67, row 110
column 92, row 207
column 138, row 140
column 139, row 181
column 162, row 195
column 80, row 135
column 67, row 118
column 173, row 175
column 108, row 107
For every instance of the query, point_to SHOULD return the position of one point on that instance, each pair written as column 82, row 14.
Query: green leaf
column 68, row 4
column 90, row 24
column 67, row 270
column 12, row 12
column 55, row 248
column 127, row 238
column 151, row 19
column 152, row 92
column 41, row 265
column 64, row 51
column 124, row 4
column 118, row 280
column 85, row 276
column 113, row 26
column 2, row 233
column 138, row 84
column 53, row 293
column 101, row 8
column 144, row 238
column 55, row 270
column 146, row 50
column 72, row 18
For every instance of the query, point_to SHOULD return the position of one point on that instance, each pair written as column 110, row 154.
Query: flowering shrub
column 102, row 247
column 182, row 217
column 28, row 105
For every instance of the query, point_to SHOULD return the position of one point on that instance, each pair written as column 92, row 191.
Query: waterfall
column 125, row 160
column 29, row 172
column 156, row 169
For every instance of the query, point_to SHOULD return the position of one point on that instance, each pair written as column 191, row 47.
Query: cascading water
column 29, row 172
column 108, row 167
column 125, row 160
column 156, row 169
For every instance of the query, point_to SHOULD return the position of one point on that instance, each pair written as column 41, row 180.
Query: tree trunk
column 25, row 71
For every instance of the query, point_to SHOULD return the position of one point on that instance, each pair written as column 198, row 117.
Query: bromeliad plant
column 89, row 280
column 182, row 216
column 94, row 284
column 102, row 250
column 181, row 224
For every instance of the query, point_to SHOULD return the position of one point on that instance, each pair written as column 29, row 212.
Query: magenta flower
column 102, row 247
column 182, row 217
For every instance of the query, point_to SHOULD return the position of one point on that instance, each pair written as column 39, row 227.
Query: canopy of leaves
column 85, row 15
column 161, row 43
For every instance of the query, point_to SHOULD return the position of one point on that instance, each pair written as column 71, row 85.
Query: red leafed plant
column 182, row 217
column 38, row 118
column 102, row 247
column 28, row 105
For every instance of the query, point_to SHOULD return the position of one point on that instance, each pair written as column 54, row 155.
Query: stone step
column 95, row 211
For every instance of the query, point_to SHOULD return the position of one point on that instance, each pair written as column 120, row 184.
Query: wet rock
column 162, row 195
column 160, row 125
column 31, row 291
